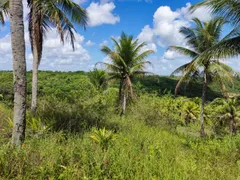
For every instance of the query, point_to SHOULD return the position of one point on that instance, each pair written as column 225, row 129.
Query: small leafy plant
column 103, row 137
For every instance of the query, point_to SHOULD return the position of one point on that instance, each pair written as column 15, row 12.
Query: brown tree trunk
column 232, row 125
column 34, row 80
column 120, row 92
column 124, row 103
column 123, row 96
column 204, row 91
column 19, row 71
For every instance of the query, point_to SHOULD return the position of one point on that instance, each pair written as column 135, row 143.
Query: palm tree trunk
column 124, row 96
column 204, row 91
column 120, row 92
column 231, row 127
column 34, row 80
column 124, row 103
column 19, row 71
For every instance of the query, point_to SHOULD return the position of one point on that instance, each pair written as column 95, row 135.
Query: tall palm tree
column 19, row 71
column 127, row 60
column 45, row 14
column 201, row 38
column 230, row 10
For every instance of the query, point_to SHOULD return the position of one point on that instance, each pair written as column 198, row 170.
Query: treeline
column 62, row 83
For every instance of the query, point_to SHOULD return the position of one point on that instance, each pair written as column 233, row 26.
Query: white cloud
column 201, row 13
column 146, row 35
column 104, row 43
column 165, row 32
column 56, row 56
column 170, row 55
column 167, row 23
column 102, row 14
column 90, row 43
column 80, row 1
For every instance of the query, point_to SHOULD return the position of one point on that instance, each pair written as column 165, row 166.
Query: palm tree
column 45, row 14
column 19, row 71
column 230, row 10
column 99, row 78
column 201, row 38
column 230, row 114
column 127, row 60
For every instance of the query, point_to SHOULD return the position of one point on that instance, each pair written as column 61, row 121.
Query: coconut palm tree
column 19, row 71
column 199, row 39
column 99, row 78
column 230, row 115
column 127, row 60
column 45, row 14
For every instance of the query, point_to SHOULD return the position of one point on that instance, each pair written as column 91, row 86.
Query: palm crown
column 204, row 36
column 127, row 60
column 230, row 10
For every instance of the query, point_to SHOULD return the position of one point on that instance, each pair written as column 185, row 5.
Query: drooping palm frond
column 190, row 37
column 224, row 49
column 234, row 33
column 4, row 10
column 141, row 57
column 189, row 71
column 229, row 9
column 183, row 51
column 219, row 71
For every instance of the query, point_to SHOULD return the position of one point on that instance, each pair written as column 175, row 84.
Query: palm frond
column 4, row 10
column 228, row 9
column 184, row 51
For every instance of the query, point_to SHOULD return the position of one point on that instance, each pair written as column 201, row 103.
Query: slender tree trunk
column 204, row 91
column 231, row 127
column 34, row 79
column 19, row 71
column 120, row 92
column 124, row 103
column 124, row 95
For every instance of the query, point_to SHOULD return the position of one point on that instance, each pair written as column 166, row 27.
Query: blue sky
column 156, row 22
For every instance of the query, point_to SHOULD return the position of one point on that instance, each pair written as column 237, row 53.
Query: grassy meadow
column 77, row 132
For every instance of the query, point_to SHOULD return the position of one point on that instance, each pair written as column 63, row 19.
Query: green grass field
column 77, row 133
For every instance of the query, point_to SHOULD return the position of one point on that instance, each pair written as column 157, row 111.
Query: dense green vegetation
column 77, row 132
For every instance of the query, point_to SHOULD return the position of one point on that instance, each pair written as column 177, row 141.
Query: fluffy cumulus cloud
column 56, row 56
column 165, row 32
column 101, row 13
column 62, row 57
column 90, row 43
column 167, row 23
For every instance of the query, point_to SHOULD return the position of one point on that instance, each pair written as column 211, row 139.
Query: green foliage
column 138, row 152
column 201, row 38
column 103, row 137
column 99, row 78
column 156, row 139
